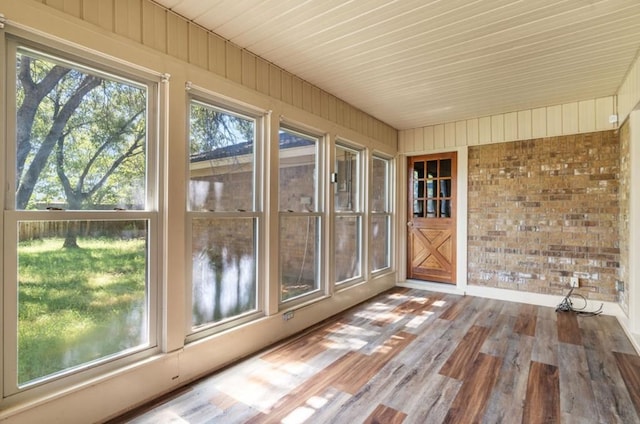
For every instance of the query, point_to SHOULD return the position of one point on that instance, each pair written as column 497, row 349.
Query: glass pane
column 379, row 189
column 221, row 162
column 418, row 170
column 347, row 248
column 380, row 242
column 297, row 172
column 432, row 208
column 432, row 169
column 223, row 276
column 445, row 208
column 418, row 208
column 82, row 293
column 346, row 187
column 81, row 137
column 445, row 167
column 445, row 188
column 299, row 255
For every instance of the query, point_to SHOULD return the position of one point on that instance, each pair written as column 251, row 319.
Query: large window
column 300, row 215
column 348, row 215
column 80, row 217
column 224, row 214
column 380, row 214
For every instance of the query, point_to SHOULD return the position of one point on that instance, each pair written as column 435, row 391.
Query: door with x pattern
column 431, row 222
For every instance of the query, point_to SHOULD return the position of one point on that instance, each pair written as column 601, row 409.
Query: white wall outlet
column 574, row 281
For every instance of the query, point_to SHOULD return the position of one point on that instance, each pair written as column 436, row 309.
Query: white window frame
column 357, row 211
column 319, row 214
column 232, row 107
column 108, row 67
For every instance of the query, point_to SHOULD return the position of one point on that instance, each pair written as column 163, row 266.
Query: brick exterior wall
column 544, row 210
column 625, row 191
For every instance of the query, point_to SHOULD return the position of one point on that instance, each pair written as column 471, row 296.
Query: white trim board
column 608, row 308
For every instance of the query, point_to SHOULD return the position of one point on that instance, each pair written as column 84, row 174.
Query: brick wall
column 625, row 190
column 544, row 210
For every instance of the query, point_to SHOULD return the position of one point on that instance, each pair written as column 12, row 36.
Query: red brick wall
column 543, row 210
column 625, row 190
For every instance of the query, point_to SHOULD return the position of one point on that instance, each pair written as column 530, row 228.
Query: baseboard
column 608, row 308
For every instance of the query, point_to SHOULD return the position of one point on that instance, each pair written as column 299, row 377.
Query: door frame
column 402, row 184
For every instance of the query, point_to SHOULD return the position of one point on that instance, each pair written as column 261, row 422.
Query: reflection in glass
column 77, row 305
column 221, row 162
column 223, row 277
column 380, row 228
column 297, row 172
column 298, row 255
column 347, row 248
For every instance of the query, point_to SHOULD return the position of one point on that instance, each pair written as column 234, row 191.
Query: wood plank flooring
column 410, row 356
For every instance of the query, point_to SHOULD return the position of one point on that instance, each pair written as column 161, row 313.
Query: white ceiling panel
column 413, row 63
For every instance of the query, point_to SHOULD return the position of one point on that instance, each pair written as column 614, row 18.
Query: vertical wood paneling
column 275, row 78
column 587, row 116
column 339, row 112
column 450, row 134
column 569, row 118
column 461, row 133
column 438, row 136
column 539, row 122
column 604, row 108
column 497, row 128
column 100, row 12
column 484, row 130
column 333, row 108
column 524, row 124
column 287, row 87
column 324, row 107
column 316, row 98
column 511, row 126
column 473, row 132
column 429, row 138
column 307, row 100
column 402, row 148
column 554, row 120
column 234, row 62
column 262, row 75
column 154, row 27
column 128, row 19
column 296, row 92
column 409, row 141
column 71, row 7
column 198, row 46
column 248, row 69
column 177, row 37
column 418, row 140
column 628, row 95
column 217, row 54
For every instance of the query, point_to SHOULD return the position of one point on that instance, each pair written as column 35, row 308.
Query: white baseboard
column 608, row 308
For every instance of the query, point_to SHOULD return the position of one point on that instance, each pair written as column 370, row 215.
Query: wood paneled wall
column 570, row 118
column 147, row 23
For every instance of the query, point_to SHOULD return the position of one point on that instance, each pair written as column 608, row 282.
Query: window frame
column 387, row 212
column 318, row 214
column 116, row 70
column 260, row 117
column 357, row 211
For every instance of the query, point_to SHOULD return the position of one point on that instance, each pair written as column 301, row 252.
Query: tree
column 96, row 126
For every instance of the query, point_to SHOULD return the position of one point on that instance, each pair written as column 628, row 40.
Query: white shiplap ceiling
column 413, row 63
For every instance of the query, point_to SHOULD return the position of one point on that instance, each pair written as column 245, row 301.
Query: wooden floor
column 410, row 356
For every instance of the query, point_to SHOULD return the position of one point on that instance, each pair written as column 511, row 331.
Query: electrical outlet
column 287, row 315
column 574, row 281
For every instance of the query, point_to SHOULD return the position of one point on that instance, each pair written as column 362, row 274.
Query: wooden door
column 431, row 221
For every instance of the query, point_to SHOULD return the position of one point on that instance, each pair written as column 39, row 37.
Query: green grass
column 78, row 305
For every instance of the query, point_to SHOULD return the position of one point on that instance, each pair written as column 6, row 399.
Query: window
column 80, row 217
column 348, row 215
column 300, row 215
column 380, row 214
column 225, row 215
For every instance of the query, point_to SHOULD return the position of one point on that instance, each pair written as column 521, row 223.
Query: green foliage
column 78, row 305
column 211, row 129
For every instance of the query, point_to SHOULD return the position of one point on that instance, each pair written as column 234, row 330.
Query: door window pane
column 82, row 304
column 224, row 269
column 221, row 165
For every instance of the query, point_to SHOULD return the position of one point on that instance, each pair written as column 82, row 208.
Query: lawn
column 78, row 305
